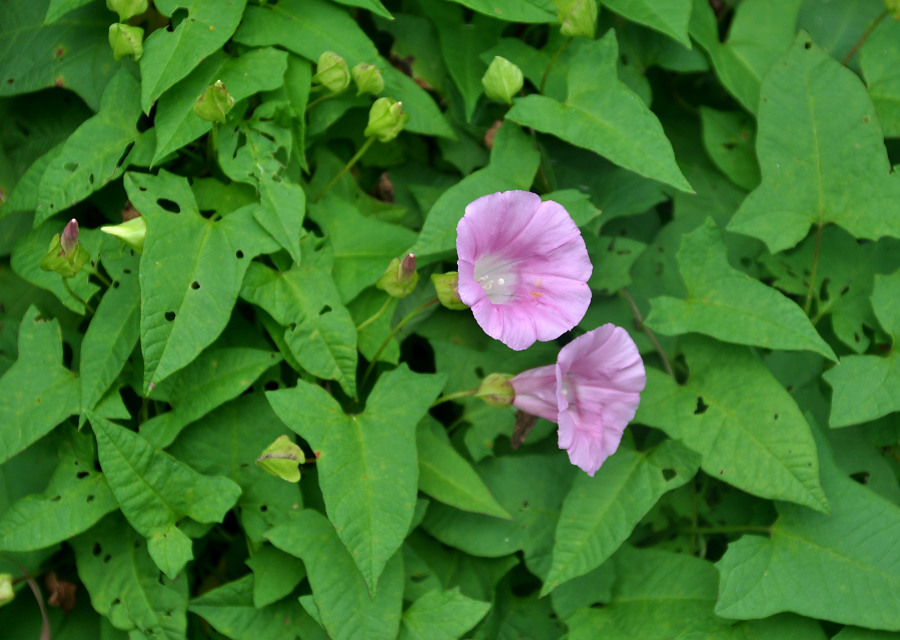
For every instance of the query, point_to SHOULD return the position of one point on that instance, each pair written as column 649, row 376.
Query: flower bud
column 497, row 390
column 577, row 17
column 127, row 8
column 445, row 286
column 6, row 589
column 386, row 119
column 332, row 72
column 132, row 232
column 126, row 40
column 282, row 459
column 400, row 278
column 502, row 80
column 368, row 79
column 214, row 103
column 66, row 256
column 69, row 240
column 893, row 7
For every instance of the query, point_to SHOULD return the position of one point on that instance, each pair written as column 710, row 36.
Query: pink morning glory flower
column 592, row 392
column 523, row 268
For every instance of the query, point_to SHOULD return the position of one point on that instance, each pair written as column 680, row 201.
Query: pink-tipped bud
column 69, row 240
column 400, row 278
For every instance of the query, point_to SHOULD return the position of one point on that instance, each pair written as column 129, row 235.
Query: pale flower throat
column 498, row 278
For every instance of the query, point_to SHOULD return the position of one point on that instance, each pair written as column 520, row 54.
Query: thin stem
column 863, row 38
column 86, row 306
column 810, row 292
column 748, row 528
column 412, row 314
column 320, row 99
column 552, row 62
column 639, row 323
column 376, row 315
column 102, row 278
column 45, row 625
column 348, row 166
column 453, row 396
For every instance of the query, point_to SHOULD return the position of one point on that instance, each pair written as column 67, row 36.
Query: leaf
column 867, row 387
column 275, row 575
column 341, row 595
column 171, row 55
column 603, row 115
column 832, row 166
column 76, row 497
column 729, row 138
column 124, row 584
column 447, row 476
column 877, row 57
column 514, row 10
column 514, row 161
column 600, row 513
column 176, row 123
column 217, row 376
column 612, row 258
column 367, row 462
column 73, row 52
column 764, row 448
column 669, row 18
column 729, row 305
column 37, row 392
column 441, row 615
column 319, row 332
column 374, row 6
column 59, row 8
column 283, row 205
column 155, row 491
column 840, row 567
column 191, row 271
column 267, row 144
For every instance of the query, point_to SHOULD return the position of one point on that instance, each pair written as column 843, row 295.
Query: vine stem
column 409, row 316
column 45, row 624
column 321, row 99
column 639, row 322
column 453, row 396
column 863, row 38
column 552, row 62
column 356, row 156
column 87, row 307
column 376, row 315
column 810, row 292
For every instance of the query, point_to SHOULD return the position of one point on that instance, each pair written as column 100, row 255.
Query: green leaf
column 513, row 617
column 374, row 6
column 729, row 138
column 275, row 575
column 191, row 271
column 831, row 167
column 367, row 462
column 267, row 142
column 669, row 18
column 341, row 595
column 603, row 115
column 171, row 55
column 447, row 476
column 730, row 305
column 764, row 448
column 612, row 258
column 59, row 8
column 37, row 392
column 878, row 57
column 514, row 161
column 441, row 615
column 600, row 513
column 840, row 567
column 176, row 123
column 214, row 378
column 76, row 497
column 319, row 332
column 126, row 587
column 514, row 10
column 283, row 205
column 155, row 491
column 73, row 52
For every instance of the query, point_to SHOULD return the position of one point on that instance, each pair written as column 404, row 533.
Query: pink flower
column 592, row 392
column 523, row 268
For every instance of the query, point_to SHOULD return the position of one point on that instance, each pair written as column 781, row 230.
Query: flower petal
column 536, row 392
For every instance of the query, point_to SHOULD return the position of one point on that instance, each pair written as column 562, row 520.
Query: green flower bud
column 332, row 72
column 6, row 588
column 400, row 278
column 502, row 80
column 214, row 103
column 893, row 7
column 282, row 459
column 386, row 119
column 577, row 17
column 126, row 40
column 131, row 232
column 368, row 79
column 497, row 390
column 66, row 256
column 127, row 8
column 445, row 286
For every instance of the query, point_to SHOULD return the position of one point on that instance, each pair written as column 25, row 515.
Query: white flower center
column 498, row 279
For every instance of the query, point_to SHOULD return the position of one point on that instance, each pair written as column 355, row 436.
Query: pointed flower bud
column 126, row 40
column 132, row 232
column 445, row 286
column 502, row 80
column 893, row 7
column 214, row 103
column 400, row 278
column 577, row 17
column 332, row 72
column 282, row 459
column 66, row 256
column 127, row 8
column 368, row 79
column 386, row 119
column 6, row 588
column 69, row 240
column 497, row 390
